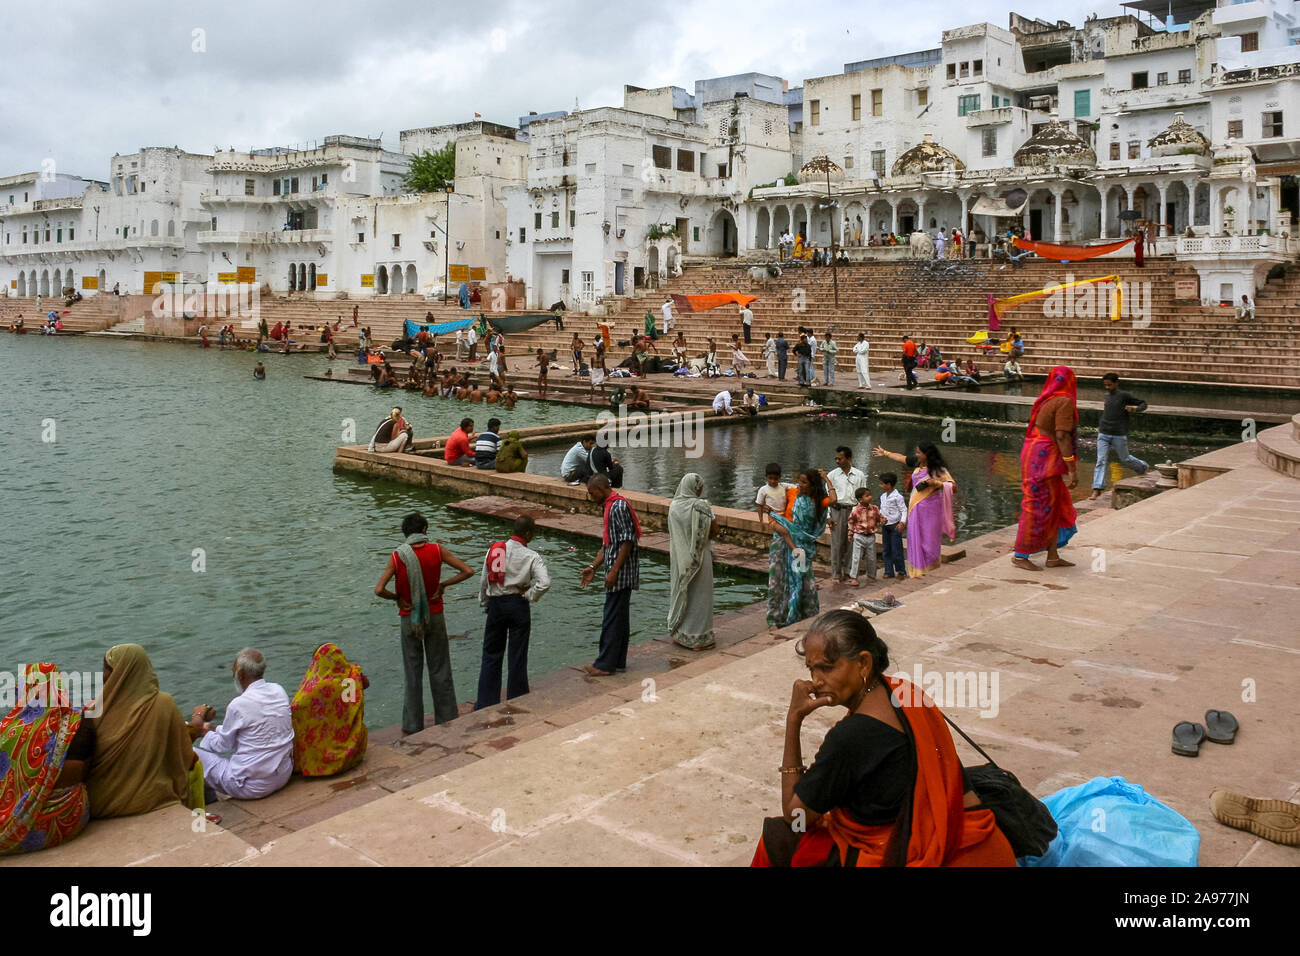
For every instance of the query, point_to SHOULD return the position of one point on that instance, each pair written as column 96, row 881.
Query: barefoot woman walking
column 1048, row 470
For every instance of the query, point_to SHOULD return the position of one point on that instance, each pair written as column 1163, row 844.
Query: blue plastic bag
column 1111, row 822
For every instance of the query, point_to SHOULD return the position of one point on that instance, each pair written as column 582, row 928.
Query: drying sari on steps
column 329, row 729
column 1047, row 513
column 943, row 831
column 35, row 814
column 791, row 590
column 929, row 514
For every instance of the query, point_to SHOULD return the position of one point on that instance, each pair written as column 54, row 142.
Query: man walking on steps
column 1112, row 432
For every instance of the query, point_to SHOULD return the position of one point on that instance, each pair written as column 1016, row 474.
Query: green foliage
column 664, row 230
column 431, row 172
column 791, row 179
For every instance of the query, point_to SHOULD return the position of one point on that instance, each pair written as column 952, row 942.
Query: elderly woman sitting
column 886, row 787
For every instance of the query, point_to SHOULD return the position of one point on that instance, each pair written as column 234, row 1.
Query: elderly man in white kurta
column 250, row 754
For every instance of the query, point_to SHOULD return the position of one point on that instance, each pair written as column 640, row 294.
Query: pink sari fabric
column 928, row 518
column 1047, row 513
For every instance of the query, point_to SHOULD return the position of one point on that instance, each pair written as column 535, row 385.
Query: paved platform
column 1179, row 603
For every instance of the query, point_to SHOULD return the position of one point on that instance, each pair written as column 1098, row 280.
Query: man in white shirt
column 746, row 322
column 940, row 241
column 1012, row 369
column 787, row 244
column 460, row 345
column 845, row 480
column 250, row 754
column 472, row 341
column 1247, row 308
column 667, row 310
column 722, row 402
column 513, row 577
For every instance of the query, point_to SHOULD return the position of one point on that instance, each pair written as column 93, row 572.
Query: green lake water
column 162, row 449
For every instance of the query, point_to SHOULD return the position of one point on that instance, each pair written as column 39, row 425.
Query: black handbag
column 1023, row 819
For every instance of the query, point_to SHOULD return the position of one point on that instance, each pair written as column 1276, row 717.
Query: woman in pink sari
column 929, row 510
column 1048, row 470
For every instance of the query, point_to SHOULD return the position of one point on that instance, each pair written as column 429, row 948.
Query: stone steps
column 1279, row 448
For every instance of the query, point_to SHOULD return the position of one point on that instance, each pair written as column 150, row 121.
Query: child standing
column 771, row 496
column 864, row 520
column 893, row 512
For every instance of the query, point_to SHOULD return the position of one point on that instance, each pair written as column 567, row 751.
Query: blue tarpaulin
column 436, row 328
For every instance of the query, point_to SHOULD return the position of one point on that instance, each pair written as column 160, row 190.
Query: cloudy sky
column 255, row 73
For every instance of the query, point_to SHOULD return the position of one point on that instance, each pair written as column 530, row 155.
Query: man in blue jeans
column 1112, row 432
column 622, row 576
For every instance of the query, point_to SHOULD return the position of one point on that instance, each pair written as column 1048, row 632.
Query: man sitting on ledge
column 576, row 467
column 457, row 450
column 250, row 754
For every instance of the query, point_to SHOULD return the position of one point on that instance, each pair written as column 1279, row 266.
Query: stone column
column 1216, row 220
column 1191, row 201
column 1104, row 191
column 1056, row 213
column 893, row 208
column 921, row 224
column 1128, row 198
column 1161, row 189
column 965, row 201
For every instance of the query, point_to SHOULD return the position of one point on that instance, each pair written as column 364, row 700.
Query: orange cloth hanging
column 702, row 303
column 1050, row 250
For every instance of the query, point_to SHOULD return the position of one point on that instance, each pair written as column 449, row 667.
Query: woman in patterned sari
column 792, row 592
column 44, row 746
column 929, row 509
column 1048, row 470
column 329, row 730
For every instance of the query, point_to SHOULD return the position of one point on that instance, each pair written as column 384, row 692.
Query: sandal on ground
column 1187, row 738
column 1220, row 726
column 1276, row 820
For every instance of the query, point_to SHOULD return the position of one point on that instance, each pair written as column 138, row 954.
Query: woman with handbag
column 886, row 787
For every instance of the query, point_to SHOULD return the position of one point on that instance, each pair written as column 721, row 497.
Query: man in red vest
column 909, row 361
column 417, row 566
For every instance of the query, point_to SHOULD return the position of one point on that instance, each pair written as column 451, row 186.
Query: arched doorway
column 654, row 261
column 672, row 260
column 171, row 228
column 395, row 285
column 45, row 282
column 293, row 277
column 153, row 227
column 722, row 235
column 762, row 229
column 302, row 277
column 411, row 285
column 31, row 283
column 381, row 281
column 311, row 277
column 69, row 281
column 22, row 284
column 58, row 282
column 103, row 281
column 781, row 221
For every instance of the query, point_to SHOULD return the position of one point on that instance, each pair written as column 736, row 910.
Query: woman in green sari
column 792, row 592
column 691, row 525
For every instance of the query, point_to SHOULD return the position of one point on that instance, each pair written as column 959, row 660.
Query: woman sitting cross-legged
column 886, row 787
column 329, row 715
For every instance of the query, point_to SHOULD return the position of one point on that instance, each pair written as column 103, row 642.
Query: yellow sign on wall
column 368, row 281
column 227, row 278
column 246, row 273
column 478, row 274
column 152, row 279
column 458, row 273
column 13, row 283
column 322, row 280
column 90, row 282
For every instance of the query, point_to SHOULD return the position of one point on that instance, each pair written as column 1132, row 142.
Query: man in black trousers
column 514, row 576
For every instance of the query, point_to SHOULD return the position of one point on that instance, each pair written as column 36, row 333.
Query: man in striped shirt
column 622, row 576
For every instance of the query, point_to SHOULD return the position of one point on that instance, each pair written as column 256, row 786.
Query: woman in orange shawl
column 886, row 786
column 329, row 730
column 1048, row 470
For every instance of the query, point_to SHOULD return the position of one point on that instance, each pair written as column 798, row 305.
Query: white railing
column 1266, row 245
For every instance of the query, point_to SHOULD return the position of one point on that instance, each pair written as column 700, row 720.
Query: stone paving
column 1193, row 608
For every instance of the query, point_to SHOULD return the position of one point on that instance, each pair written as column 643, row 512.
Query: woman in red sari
column 886, row 787
column 1048, row 470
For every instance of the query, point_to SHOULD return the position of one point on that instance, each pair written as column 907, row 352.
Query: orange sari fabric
column 944, row 832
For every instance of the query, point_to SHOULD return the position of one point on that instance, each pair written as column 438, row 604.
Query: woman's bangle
column 1069, row 458
column 793, row 769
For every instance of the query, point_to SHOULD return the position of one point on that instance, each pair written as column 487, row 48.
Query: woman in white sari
column 769, row 355
column 691, row 525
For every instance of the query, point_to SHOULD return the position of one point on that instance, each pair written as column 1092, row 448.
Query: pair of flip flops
column 1220, row 727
